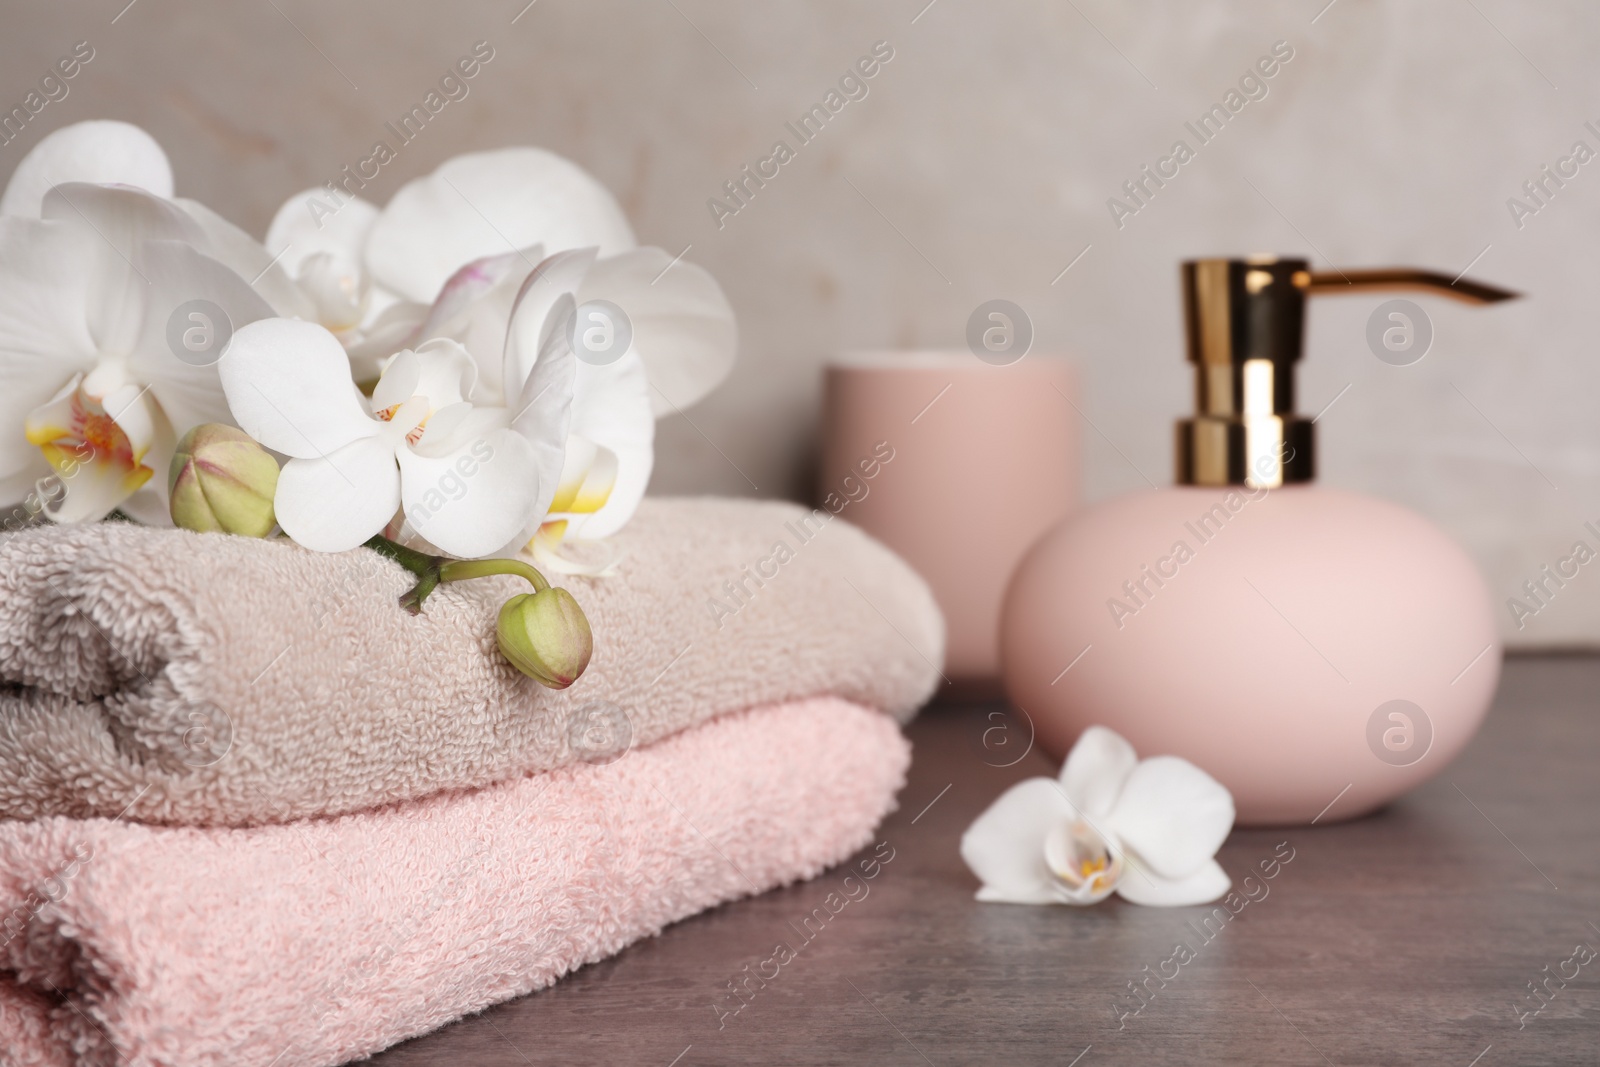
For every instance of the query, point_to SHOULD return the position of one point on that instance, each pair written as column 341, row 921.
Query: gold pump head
column 1245, row 321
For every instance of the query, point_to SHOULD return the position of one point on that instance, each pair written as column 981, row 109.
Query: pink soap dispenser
column 1316, row 651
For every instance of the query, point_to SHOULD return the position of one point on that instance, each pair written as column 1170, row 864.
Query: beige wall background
column 979, row 166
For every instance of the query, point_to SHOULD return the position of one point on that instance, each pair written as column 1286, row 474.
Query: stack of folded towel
column 257, row 813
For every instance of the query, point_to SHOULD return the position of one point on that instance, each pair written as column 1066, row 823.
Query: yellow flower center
column 414, row 434
column 587, row 479
column 1083, row 862
column 76, row 430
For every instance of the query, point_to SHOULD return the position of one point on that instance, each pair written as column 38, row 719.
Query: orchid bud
column 221, row 480
column 545, row 636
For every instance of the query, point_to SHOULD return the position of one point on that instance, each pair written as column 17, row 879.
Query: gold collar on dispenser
column 1245, row 321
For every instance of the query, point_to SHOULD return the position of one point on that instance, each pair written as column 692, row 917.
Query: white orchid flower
column 456, row 235
column 1148, row 831
column 612, row 433
column 389, row 267
column 93, row 396
column 95, row 257
column 324, row 251
column 471, row 478
column 682, row 334
column 454, row 253
column 371, row 275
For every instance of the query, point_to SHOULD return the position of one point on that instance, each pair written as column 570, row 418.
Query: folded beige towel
column 172, row 677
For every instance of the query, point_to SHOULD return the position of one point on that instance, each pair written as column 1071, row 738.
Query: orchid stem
column 417, row 563
column 432, row 570
column 458, row 569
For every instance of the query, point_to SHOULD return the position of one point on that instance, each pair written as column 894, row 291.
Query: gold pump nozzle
column 1245, row 322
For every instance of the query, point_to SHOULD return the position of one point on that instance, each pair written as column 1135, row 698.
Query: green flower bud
column 545, row 636
column 221, row 481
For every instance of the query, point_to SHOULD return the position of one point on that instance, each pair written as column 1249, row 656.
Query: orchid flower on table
column 1147, row 831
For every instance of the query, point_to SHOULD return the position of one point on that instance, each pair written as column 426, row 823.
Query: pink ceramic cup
column 984, row 460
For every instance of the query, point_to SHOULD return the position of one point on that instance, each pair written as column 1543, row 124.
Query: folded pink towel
column 201, row 679
column 317, row 942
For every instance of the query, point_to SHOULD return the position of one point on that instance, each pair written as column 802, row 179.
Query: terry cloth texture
column 322, row 941
column 201, row 679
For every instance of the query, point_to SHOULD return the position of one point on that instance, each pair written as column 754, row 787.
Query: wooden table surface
column 1409, row 937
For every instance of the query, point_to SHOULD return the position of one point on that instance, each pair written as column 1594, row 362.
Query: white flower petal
column 310, row 222
column 585, row 465
column 486, row 203
column 448, row 427
column 44, row 334
column 1004, row 846
column 336, row 291
column 398, row 382
column 382, row 336
column 447, row 372
column 57, row 417
column 683, row 326
column 465, row 291
column 240, row 253
column 1172, row 816
column 542, row 412
column 471, row 501
column 337, row 503
column 16, row 486
column 288, row 385
column 1015, row 895
column 1142, row 886
column 1096, row 770
column 380, row 298
column 100, row 152
column 94, row 490
column 188, row 390
column 611, row 407
column 20, row 496
column 121, row 215
column 116, row 220
column 535, row 318
column 135, row 413
column 149, row 431
column 475, row 307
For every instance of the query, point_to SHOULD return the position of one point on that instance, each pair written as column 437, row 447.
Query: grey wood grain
column 1407, row 937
